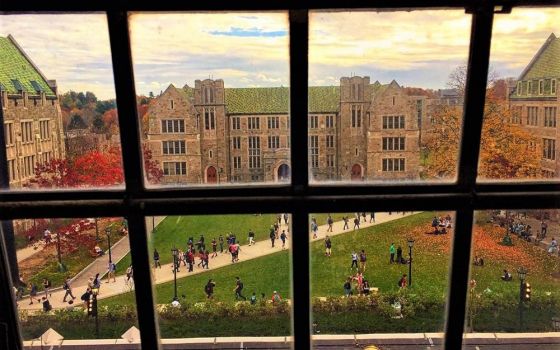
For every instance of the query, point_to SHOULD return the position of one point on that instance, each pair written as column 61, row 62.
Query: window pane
column 519, row 130
column 207, row 305
column 56, row 253
column 60, row 116
column 388, row 74
column 515, row 278
column 348, row 249
column 221, row 77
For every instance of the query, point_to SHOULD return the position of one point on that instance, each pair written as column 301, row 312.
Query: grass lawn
column 176, row 230
column 430, row 276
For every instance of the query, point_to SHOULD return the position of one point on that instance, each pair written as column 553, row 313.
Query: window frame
column 135, row 201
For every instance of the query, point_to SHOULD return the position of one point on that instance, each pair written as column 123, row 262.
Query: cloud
column 251, row 32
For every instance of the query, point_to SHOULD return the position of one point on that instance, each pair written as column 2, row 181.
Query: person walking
column 544, row 227
column 205, row 259
column 272, row 236
column 283, row 238
column 129, row 273
column 330, row 223
column 354, row 260
column 314, row 229
column 156, row 259
column 190, row 260
column 238, row 288
column 357, row 223
column 68, row 288
column 392, row 253
column 221, row 240
column 345, row 219
column 364, row 216
column 372, row 217
column 363, row 259
column 285, row 219
column 33, row 293
column 47, row 287
column 209, row 289
column 214, row 248
column 111, row 269
column 251, row 237
column 328, row 246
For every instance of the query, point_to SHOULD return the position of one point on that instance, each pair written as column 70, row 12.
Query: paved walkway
column 29, row 251
column 165, row 273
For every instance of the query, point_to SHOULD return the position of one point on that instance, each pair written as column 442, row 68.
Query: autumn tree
column 111, row 121
column 151, row 167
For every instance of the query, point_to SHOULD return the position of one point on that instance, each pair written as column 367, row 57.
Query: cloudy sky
column 417, row 48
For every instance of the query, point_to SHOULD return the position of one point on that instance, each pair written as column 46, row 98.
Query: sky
column 418, row 48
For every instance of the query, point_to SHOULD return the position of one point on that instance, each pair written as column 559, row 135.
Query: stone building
column 358, row 131
column 534, row 102
column 31, row 113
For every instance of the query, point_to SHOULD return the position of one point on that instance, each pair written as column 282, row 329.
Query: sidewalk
column 165, row 273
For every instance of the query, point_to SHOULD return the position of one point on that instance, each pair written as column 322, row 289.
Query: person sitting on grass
column 403, row 282
column 506, row 276
column 98, row 251
column 366, row 287
column 553, row 247
column 276, row 298
column 478, row 261
column 435, row 224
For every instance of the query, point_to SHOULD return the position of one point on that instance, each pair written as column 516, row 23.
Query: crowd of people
column 441, row 225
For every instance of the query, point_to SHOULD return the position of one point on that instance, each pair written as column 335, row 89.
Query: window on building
column 393, row 164
column 519, row 86
column 553, row 86
column 419, row 110
column 273, row 122
column 26, row 131
column 329, row 141
column 393, row 143
column 28, row 166
column 393, row 100
column 314, row 151
column 550, row 117
column 254, row 123
column 172, row 104
column 393, row 122
column 235, row 178
column 44, row 129
column 273, row 142
column 356, row 116
column 172, row 126
column 516, row 114
column 329, row 121
column 254, row 152
column 529, row 87
column 12, row 169
column 541, row 86
column 236, row 142
column 549, row 149
column 237, row 162
column 9, row 133
column 174, row 168
column 46, row 157
column 532, row 116
column 330, row 160
column 208, row 94
column 173, row 147
column 210, row 154
column 313, row 122
column 209, row 118
column 235, row 123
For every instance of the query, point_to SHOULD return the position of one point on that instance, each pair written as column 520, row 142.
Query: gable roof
column 546, row 62
column 18, row 72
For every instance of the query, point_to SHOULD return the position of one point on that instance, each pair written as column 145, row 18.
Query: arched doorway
column 211, row 177
column 356, row 173
column 284, row 173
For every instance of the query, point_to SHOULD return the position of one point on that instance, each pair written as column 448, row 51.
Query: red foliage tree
column 151, row 167
column 99, row 169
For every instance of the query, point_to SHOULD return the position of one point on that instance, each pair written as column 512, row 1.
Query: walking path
column 29, row 251
column 165, row 273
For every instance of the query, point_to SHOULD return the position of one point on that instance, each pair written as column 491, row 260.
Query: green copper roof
column 546, row 63
column 14, row 66
column 276, row 100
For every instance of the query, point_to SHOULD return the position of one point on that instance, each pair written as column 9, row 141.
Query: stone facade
column 534, row 103
column 357, row 131
column 31, row 113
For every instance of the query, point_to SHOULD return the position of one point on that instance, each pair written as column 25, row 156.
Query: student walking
column 345, row 219
column 544, row 227
column 156, row 259
column 272, row 236
column 283, row 238
column 392, row 253
column 221, row 240
column 285, row 219
column 328, row 246
column 33, row 293
column 47, row 287
column 372, row 217
column 68, row 288
column 314, row 229
column 357, row 223
column 238, row 288
column 354, row 260
column 364, row 216
column 214, row 248
column 209, row 289
column 251, row 237
column 205, row 259
column 363, row 259
column 330, row 223
column 190, row 260
column 111, row 269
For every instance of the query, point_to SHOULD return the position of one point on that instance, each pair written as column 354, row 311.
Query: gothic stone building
column 534, row 102
column 211, row 134
column 32, row 116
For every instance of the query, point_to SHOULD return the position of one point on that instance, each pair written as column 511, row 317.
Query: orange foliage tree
column 507, row 151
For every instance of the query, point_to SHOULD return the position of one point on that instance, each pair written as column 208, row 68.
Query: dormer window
column 519, row 84
column 553, row 86
column 38, row 89
column 17, row 85
column 529, row 87
column 541, row 87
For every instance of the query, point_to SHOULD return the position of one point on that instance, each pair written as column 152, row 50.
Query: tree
column 111, row 121
column 98, row 124
column 77, row 122
column 151, row 167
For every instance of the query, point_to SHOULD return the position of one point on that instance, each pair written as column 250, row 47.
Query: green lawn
column 176, row 230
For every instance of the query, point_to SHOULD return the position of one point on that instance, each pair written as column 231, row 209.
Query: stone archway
column 284, row 173
column 356, row 172
column 211, row 175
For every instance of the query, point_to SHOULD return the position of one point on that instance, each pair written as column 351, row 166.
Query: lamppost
column 61, row 266
column 92, row 309
column 175, row 253
column 522, row 272
column 108, row 233
column 410, row 243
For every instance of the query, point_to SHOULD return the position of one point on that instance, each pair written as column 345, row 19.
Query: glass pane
column 376, row 273
column 63, row 275
column 203, row 302
column 60, row 116
column 385, row 100
column 514, row 291
column 213, row 97
column 519, row 130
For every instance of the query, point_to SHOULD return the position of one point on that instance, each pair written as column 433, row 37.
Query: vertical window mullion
column 478, row 61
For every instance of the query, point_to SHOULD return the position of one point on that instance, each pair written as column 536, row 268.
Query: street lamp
column 108, row 233
column 522, row 273
column 410, row 243
column 92, row 308
column 61, row 266
column 96, row 231
column 175, row 253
